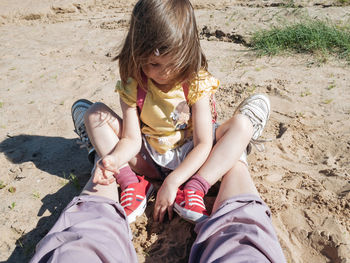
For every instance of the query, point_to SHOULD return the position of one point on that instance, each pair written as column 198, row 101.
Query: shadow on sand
column 54, row 155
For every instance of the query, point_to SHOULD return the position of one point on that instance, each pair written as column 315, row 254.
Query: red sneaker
column 190, row 206
column 134, row 198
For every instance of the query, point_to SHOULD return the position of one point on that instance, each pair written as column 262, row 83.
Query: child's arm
column 203, row 141
column 130, row 142
column 127, row 147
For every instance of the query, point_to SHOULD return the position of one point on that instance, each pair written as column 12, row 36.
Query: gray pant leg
column 90, row 229
column 239, row 231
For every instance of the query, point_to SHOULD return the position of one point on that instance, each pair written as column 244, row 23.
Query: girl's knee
column 98, row 112
column 238, row 124
column 245, row 125
column 242, row 122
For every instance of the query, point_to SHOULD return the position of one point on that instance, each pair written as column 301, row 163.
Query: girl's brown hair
column 164, row 27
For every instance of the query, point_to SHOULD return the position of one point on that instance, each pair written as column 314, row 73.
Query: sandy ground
column 55, row 52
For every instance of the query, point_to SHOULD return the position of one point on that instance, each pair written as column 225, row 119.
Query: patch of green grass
column 73, row 179
column 12, row 189
column 1, row 104
column 19, row 241
column 36, row 194
column 331, row 86
column 305, row 93
column 252, row 88
column 12, row 206
column 301, row 114
column 344, row 2
column 288, row 4
column 328, row 101
column 311, row 36
column 2, row 185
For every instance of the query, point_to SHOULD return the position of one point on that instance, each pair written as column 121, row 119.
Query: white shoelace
column 194, row 199
column 127, row 201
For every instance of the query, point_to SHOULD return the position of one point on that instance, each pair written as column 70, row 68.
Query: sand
column 55, row 52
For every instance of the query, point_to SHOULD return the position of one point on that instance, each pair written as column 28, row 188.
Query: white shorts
column 169, row 161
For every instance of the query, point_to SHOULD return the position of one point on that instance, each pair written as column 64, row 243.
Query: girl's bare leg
column 232, row 139
column 104, row 128
column 140, row 166
column 236, row 181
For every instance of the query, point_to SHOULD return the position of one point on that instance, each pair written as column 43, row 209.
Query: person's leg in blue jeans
column 239, row 228
column 92, row 228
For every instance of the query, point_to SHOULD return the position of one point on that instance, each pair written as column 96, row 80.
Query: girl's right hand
column 105, row 169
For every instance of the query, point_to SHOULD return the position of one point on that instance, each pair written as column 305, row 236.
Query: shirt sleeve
column 204, row 84
column 128, row 92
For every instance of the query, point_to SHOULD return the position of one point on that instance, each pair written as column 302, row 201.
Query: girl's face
column 157, row 69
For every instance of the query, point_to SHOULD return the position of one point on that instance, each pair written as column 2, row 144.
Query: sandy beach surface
column 54, row 52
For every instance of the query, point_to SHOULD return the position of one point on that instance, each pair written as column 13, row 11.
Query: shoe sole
column 86, row 104
column 189, row 215
column 142, row 207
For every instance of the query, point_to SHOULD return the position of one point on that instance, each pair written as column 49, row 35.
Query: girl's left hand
column 164, row 202
column 105, row 169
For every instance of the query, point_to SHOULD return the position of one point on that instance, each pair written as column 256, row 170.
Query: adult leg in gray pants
column 239, row 229
column 93, row 227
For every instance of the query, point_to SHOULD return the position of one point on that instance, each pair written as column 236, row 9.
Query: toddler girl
column 168, row 130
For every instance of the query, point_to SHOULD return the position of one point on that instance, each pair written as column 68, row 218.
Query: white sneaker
column 78, row 110
column 257, row 109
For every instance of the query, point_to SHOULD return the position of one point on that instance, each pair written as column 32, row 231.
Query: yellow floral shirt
column 166, row 117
